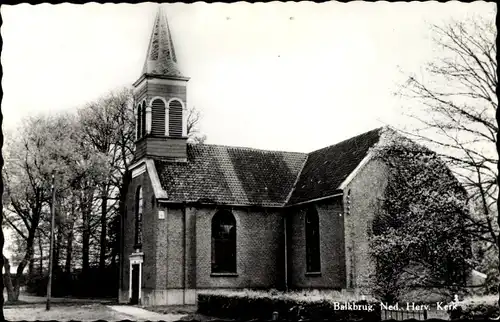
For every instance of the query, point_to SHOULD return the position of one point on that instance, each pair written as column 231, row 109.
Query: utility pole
column 51, row 255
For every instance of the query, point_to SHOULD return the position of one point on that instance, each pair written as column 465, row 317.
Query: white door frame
column 135, row 258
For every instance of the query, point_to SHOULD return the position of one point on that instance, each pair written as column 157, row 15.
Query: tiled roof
column 231, row 175
column 327, row 168
column 244, row 176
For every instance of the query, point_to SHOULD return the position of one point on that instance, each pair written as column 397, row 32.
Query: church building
column 202, row 216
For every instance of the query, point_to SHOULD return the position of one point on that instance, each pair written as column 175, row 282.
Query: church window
column 143, row 119
column 158, row 117
column 223, row 242
column 313, row 261
column 139, row 121
column 175, row 119
column 138, row 217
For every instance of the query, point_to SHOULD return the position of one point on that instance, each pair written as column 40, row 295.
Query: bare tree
column 193, row 123
column 40, row 150
column 456, row 115
column 105, row 124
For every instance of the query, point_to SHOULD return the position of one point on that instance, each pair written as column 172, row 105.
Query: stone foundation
column 168, row 297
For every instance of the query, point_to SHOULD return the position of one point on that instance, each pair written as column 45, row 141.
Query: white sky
column 287, row 76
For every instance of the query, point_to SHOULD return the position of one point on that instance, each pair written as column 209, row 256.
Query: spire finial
column 160, row 58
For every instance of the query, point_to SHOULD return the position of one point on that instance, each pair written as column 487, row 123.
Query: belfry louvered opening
column 158, row 117
column 143, row 119
column 175, row 119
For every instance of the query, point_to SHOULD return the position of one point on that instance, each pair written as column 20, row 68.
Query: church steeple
column 160, row 57
column 160, row 94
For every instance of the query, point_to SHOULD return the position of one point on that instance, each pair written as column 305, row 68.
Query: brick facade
column 148, row 234
column 331, row 234
column 177, row 249
column 259, row 250
column 366, row 192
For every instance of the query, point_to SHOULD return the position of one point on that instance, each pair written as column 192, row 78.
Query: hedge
column 250, row 307
column 478, row 311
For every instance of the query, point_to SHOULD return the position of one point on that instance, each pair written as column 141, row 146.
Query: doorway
column 135, row 284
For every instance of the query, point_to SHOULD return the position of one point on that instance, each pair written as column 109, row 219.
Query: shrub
column 481, row 311
column 247, row 304
column 477, row 307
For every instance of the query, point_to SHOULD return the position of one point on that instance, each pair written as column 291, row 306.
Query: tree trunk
column 14, row 286
column 31, row 265
column 26, row 259
column 86, row 209
column 57, row 250
column 11, row 296
column 69, row 245
column 40, row 248
column 104, row 210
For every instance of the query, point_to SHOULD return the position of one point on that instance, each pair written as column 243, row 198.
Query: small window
column 138, row 217
column 175, row 119
column 223, row 242
column 313, row 260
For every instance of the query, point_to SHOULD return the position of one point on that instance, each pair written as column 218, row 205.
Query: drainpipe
column 286, row 251
column 184, row 243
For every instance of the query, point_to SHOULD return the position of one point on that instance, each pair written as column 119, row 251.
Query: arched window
column 175, row 119
column 313, row 260
column 223, row 242
column 158, row 117
column 143, row 119
column 139, row 121
column 139, row 205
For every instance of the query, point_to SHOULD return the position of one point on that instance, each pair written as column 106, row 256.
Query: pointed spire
column 160, row 58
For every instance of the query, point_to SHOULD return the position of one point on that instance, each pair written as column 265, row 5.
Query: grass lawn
column 61, row 312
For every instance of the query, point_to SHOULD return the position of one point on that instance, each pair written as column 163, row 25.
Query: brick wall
column 366, row 191
column 174, row 260
column 259, row 250
column 149, row 219
column 332, row 252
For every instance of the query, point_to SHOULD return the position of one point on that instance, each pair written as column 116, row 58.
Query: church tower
column 160, row 99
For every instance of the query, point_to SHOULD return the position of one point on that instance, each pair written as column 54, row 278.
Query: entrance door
column 135, row 284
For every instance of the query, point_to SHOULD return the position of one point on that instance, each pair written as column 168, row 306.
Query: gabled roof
column 231, row 175
column 327, row 168
column 244, row 176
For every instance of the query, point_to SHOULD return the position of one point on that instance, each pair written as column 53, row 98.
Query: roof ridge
column 349, row 139
column 284, row 151
column 246, row 148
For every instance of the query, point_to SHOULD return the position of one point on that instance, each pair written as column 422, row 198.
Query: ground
column 60, row 312
column 188, row 310
column 32, row 308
